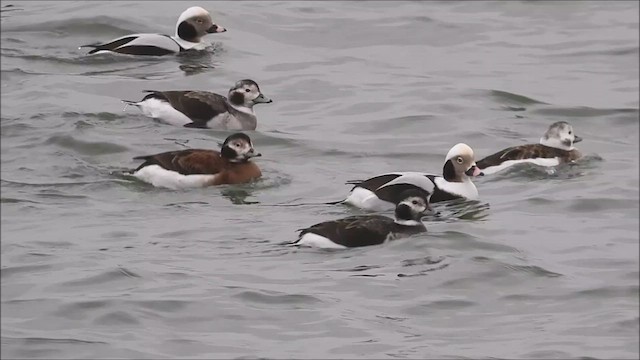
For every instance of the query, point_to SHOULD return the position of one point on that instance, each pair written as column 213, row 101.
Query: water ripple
column 96, row 265
column 86, row 147
column 276, row 298
column 100, row 279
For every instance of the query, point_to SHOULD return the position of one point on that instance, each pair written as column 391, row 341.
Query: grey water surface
column 99, row 265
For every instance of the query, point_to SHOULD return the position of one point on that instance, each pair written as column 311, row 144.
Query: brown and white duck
column 555, row 148
column 204, row 109
column 200, row 168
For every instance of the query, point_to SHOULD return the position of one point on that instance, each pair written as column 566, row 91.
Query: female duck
column 200, row 168
column 204, row 109
column 555, row 148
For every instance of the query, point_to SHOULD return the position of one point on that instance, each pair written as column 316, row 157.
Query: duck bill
column 261, row 99
column 252, row 154
column 429, row 210
column 474, row 171
column 576, row 139
column 216, row 29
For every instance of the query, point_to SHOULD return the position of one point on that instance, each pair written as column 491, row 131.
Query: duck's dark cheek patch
column 228, row 153
column 236, row 98
column 449, row 171
column 566, row 142
column 187, row 31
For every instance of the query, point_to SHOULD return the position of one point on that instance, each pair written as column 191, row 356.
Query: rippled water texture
column 97, row 265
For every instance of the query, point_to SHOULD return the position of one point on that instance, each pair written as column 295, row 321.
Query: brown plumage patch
column 529, row 151
column 199, row 106
column 207, row 162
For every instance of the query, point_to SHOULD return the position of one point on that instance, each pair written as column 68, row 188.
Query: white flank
column 315, row 240
column 106, row 52
column 162, row 110
column 366, row 199
column 155, row 40
column 538, row 161
column 160, row 177
column 465, row 189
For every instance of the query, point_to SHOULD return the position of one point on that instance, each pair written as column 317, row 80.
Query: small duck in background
column 556, row 147
column 381, row 192
column 193, row 24
column 204, row 109
column 365, row 230
column 199, row 168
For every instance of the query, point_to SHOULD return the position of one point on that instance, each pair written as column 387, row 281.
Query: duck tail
column 129, row 102
column 334, row 202
column 95, row 48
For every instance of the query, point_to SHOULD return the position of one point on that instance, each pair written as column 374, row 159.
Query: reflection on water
column 460, row 209
column 196, row 62
column 238, row 196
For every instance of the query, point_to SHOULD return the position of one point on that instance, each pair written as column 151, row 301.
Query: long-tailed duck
column 555, row 147
column 364, row 230
column 382, row 191
column 193, row 24
column 200, row 168
column 204, row 109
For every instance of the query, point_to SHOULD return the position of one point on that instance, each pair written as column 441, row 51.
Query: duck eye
column 199, row 21
column 569, row 132
column 247, row 90
column 415, row 202
column 459, row 160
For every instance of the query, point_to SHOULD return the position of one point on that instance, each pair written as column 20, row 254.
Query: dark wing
column 530, row 151
column 186, row 162
column 139, row 44
column 354, row 231
column 143, row 50
column 110, row 46
column 199, row 106
column 373, row 183
column 392, row 190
